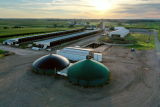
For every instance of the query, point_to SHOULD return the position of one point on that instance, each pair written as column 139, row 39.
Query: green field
column 2, row 51
column 32, row 26
column 141, row 40
column 141, row 25
column 46, row 25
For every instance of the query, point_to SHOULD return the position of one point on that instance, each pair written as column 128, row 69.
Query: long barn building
column 38, row 37
column 64, row 39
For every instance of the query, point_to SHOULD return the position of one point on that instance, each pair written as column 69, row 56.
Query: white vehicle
column 36, row 48
column 29, row 45
column 16, row 44
column 48, row 49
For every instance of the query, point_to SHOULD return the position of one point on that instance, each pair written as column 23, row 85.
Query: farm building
column 60, row 40
column 88, row 73
column 102, row 25
column 119, row 32
column 38, row 37
column 50, row 64
column 78, row 54
column 118, row 28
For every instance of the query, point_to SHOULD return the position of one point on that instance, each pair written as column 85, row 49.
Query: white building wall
column 122, row 32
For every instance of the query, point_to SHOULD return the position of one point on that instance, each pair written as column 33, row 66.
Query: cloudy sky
column 108, row 9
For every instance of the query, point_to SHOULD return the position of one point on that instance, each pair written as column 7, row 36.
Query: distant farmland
column 35, row 26
column 31, row 26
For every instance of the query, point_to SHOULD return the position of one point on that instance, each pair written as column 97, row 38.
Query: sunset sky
column 107, row 9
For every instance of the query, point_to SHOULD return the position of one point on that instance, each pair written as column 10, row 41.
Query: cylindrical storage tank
column 50, row 64
column 99, row 57
column 58, row 52
column 88, row 73
column 95, row 56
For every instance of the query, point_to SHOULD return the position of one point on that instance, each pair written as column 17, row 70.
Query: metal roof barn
column 50, row 64
column 61, row 40
column 41, row 36
column 88, row 73
column 119, row 33
column 75, row 48
column 118, row 28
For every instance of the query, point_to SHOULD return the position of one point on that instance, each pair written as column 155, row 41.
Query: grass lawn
column 2, row 51
column 100, row 39
column 141, row 40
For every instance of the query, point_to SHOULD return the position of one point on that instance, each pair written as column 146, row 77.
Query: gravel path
column 156, row 41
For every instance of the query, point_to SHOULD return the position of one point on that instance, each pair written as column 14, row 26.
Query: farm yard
column 134, row 80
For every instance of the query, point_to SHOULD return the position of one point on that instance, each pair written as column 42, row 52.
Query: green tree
column 119, row 24
column 98, row 26
column 111, row 28
column 5, row 28
column 55, row 25
column 71, row 26
column 87, row 23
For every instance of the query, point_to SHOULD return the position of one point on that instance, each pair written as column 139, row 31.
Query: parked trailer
column 37, row 37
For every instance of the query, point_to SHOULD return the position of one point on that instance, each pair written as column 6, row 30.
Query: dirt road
column 156, row 41
column 131, row 85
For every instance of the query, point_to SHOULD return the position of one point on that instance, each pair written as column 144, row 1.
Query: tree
column 61, row 26
column 55, row 25
column 111, row 28
column 119, row 24
column 5, row 28
column 71, row 26
column 87, row 23
column 98, row 26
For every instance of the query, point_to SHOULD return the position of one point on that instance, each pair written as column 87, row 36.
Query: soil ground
column 135, row 80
